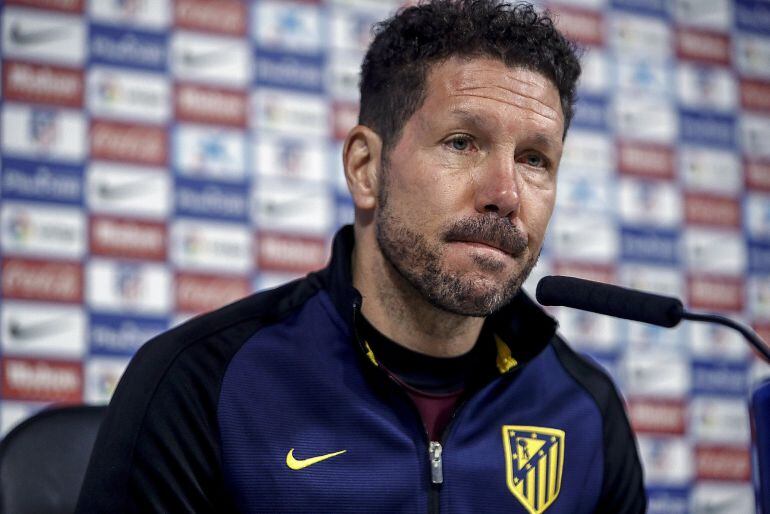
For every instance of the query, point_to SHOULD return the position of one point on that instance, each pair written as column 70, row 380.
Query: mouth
column 484, row 245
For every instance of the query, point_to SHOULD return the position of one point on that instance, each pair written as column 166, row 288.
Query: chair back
column 43, row 460
column 760, row 417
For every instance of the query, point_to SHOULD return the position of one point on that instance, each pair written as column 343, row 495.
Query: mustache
column 493, row 231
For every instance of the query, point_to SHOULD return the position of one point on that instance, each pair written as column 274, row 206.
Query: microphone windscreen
column 611, row 300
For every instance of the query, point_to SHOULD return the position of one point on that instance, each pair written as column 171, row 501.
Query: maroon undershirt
column 435, row 384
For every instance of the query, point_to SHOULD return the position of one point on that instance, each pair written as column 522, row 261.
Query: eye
column 460, row 143
column 535, row 160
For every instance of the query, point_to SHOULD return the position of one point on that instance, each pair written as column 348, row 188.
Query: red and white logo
column 73, row 6
column 202, row 293
column 28, row 279
column 140, row 144
column 289, row 253
column 704, row 209
column 344, row 118
column 582, row 25
column 703, row 46
column 39, row 83
column 646, row 160
column 42, row 380
column 755, row 94
column 226, row 17
column 713, row 293
column 210, row 105
column 722, row 463
column 126, row 238
column 656, row 416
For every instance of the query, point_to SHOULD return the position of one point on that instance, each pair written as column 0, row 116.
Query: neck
column 395, row 308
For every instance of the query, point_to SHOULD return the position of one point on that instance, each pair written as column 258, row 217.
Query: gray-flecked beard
column 420, row 263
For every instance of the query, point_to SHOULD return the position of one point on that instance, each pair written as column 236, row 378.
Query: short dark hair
column 395, row 68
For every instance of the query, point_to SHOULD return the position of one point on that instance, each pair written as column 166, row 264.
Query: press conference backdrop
column 160, row 159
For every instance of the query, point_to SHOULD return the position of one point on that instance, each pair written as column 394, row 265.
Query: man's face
column 467, row 191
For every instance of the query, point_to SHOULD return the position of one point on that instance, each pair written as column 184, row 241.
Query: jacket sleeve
column 623, row 489
column 158, row 448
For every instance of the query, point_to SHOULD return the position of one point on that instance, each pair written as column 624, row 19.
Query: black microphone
column 616, row 301
column 620, row 302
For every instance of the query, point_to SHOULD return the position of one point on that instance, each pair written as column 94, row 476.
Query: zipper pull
column 436, row 465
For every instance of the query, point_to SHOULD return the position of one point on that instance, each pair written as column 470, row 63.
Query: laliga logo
column 192, row 243
column 20, row 226
column 109, row 89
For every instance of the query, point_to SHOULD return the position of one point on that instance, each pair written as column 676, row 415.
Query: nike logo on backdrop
column 303, row 463
column 33, row 36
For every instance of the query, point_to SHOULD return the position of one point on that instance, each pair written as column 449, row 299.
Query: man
column 411, row 375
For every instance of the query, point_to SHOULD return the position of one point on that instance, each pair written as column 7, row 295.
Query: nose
column 497, row 188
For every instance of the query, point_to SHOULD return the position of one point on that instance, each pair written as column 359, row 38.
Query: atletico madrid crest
column 534, row 460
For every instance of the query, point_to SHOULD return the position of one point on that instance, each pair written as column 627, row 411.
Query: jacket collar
column 522, row 327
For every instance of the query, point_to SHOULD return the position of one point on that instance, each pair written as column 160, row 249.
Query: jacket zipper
column 435, row 448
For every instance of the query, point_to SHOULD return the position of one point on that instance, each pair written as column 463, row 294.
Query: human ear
column 361, row 159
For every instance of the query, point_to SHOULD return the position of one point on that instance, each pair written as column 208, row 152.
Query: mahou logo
column 42, row 380
column 27, row 82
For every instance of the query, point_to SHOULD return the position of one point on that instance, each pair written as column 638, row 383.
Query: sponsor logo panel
column 39, row 229
column 755, row 132
column 583, row 237
column 722, row 463
column 211, row 200
column 202, row 293
column 752, row 16
column 124, row 47
column 710, row 170
column 584, row 26
column 720, row 420
column 650, row 203
column 71, row 6
column 128, row 190
column 667, row 460
column 127, row 238
column 649, row 245
column 42, row 329
column 288, row 25
column 715, row 496
column 715, row 293
column 668, row 500
column 716, row 342
column 101, row 378
column 757, row 208
column 128, row 95
column 35, row 180
column 646, row 160
column 658, row 374
column 759, row 257
column 707, row 128
column 588, row 153
column 290, row 113
column 290, row 253
column 43, row 132
column 759, row 297
column 43, row 380
column 122, row 334
column 210, row 152
column 211, row 246
column 717, row 16
column 752, row 54
column 28, row 279
column 593, row 113
column 705, row 209
column 225, row 17
column 653, row 416
column 210, row 105
column 649, row 119
column 579, row 191
column 343, row 74
column 715, row 251
column 596, row 73
column 588, row 330
column 722, row 378
column 140, row 144
column 642, row 36
column 40, row 83
column 350, row 28
column 290, row 157
column 280, row 70
column 211, row 59
column 31, row 34
column 706, row 87
column 755, row 95
column 639, row 76
column 133, row 287
column 344, row 118
column 154, row 15
column 703, row 46
column 293, row 206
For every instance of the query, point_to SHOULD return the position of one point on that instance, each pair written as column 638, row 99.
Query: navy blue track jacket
column 272, row 404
